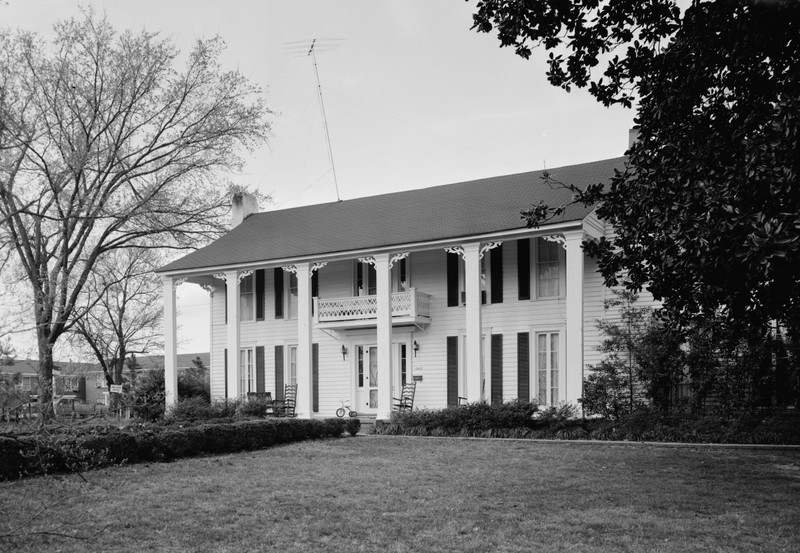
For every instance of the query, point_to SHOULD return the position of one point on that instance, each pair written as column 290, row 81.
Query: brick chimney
column 633, row 136
column 242, row 205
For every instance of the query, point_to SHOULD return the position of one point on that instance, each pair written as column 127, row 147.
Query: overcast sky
column 413, row 97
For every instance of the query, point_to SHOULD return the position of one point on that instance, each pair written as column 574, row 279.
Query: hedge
column 518, row 420
column 80, row 450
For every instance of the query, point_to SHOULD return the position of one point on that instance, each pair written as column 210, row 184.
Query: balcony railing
column 411, row 306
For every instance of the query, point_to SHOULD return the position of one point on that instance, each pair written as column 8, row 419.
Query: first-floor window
column 247, row 371
column 547, row 367
column 291, row 366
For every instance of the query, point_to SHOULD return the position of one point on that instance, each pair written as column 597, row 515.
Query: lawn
column 421, row 494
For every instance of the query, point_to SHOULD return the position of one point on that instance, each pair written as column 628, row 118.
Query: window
column 100, row 380
column 247, row 371
column 292, row 296
column 30, row 384
column 247, row 298
column 400, row 276
column 547, row 368
column 71, row 384
column 291, row 366
column 366, row 282
column 485, row 279
column 548, row 269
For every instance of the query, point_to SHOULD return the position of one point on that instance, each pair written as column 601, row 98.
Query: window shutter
column 260, row 285
column 278, row 372
column 315, row 377
column 226, row 369
column 314, row 288
column 278, row 293
column 225, row 297
column 524, row 268
column 523, row 366
column 260, row 368
column 452, row 280
column 496, row 268
column 497, row 369
column 452, row 370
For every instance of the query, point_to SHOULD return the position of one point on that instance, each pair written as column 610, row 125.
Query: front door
column 367, row 380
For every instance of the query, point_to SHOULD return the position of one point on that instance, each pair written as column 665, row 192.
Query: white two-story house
column 443, row 285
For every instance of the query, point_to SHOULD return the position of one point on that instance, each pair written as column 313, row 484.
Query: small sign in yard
column 115, row 388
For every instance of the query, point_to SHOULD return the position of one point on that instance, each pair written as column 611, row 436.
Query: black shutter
column 452, row 370
column 226, row 373
column 315, row 377
column 278, row 292
column 496, row 268
column 260, row 285
column 278, row 372
column 523, row 366
column 524, row 268
column 497, row 369
column 452, row 279
column 226, row 306
column 314, row 288
column 260, row 369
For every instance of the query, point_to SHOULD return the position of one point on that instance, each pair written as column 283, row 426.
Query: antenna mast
column 312, row 53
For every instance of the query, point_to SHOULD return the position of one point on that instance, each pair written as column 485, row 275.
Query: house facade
column 444, row 286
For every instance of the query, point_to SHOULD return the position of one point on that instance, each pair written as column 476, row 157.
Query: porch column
column 474, row 356
column 572, row 377
column 170, row 341
column 384, row 334
column 232, row 332
column 304, row 352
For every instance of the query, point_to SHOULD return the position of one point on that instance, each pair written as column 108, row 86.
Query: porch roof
column 451, row 211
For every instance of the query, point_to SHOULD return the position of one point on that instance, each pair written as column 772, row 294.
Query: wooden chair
column 286, row 407
column 406, row 400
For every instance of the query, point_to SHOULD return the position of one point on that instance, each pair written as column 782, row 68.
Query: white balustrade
column 411, row 303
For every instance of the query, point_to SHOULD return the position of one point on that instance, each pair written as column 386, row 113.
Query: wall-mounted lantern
column 344, row 352
column 415, row 347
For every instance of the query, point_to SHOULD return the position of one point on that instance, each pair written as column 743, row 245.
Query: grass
column 432, row 494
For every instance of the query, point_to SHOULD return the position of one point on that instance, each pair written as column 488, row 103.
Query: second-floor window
column 548, row 269
column 247, row 298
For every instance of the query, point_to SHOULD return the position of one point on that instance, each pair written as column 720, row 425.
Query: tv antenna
column 303, row 47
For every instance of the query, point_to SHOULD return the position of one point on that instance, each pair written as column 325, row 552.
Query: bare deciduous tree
column 106, row 145
column 126, row 313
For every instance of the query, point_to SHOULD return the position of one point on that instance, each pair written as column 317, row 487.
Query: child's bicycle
column 341, row 410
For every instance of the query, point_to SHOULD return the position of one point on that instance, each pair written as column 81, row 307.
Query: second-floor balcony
column 409, row 307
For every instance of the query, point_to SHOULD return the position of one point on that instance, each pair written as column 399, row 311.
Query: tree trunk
column 46, row 391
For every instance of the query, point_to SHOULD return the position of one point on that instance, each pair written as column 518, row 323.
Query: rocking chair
column 285, row 407
column 406, row 400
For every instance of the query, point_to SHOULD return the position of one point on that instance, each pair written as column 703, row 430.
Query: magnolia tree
column 707, row 212
column 106, row 144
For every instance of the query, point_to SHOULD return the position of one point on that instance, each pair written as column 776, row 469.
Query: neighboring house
column 97, row 388
column 69, row 381
column 444, row 285
column 74, row 383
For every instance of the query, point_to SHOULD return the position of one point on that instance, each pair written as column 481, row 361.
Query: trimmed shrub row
column 38, row 454
column 511, row 420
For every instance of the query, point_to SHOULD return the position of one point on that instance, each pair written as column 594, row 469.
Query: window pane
column 292, row 376
column 292, row 296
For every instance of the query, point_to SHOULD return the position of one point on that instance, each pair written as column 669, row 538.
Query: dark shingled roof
column 440, row 212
